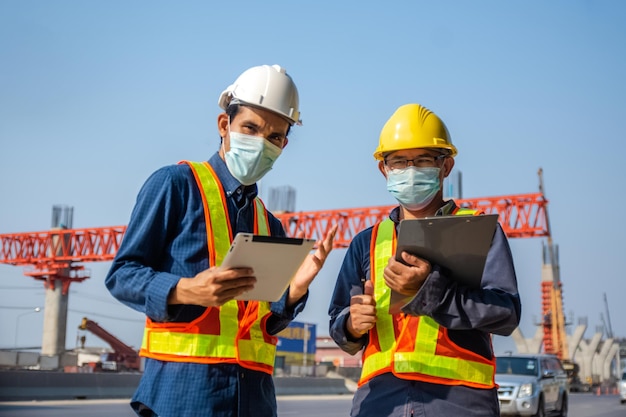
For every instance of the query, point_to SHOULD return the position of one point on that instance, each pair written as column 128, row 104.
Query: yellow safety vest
column 422, row 349
column 234, row 332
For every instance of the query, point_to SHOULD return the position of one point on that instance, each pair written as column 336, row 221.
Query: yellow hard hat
column 413, row 126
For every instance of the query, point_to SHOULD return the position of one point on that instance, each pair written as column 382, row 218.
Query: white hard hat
column 268, row 87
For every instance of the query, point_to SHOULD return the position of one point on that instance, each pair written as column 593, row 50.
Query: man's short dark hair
column 233, row 109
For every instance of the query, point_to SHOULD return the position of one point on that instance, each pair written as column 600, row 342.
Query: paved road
column 581, row 405
column 288, row 406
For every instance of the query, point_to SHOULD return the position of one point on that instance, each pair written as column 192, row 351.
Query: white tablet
column 275, row 261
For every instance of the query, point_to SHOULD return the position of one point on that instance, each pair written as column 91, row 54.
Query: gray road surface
column 581, row 405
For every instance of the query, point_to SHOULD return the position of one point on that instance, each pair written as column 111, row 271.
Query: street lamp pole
column 17, row 321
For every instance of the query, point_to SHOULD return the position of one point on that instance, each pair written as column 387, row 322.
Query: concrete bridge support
column 530, row 346
column 574, row 340
column 584, row 356
column 607, row 371
column 599, row 358
column 55, row 321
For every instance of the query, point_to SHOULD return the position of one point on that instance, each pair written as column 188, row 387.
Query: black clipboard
column 275, row 260
column 458, row 244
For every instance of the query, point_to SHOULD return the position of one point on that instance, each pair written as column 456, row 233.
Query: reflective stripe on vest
column 240, row 340
column 384, row 353
column 261, row 222
column 460, row 211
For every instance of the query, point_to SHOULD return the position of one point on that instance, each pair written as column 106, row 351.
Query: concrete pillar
column 532, row 346
column 584, row 356
column 600, row 357
column 606, row 368
column 55, row 312
column 55, row 320
column 574, row 339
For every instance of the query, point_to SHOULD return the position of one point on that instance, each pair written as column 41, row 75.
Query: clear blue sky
column 94, row 96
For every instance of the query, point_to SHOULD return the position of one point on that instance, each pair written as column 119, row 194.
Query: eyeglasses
column 423, row 161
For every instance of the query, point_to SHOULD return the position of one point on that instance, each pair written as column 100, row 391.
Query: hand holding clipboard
column 457, row 244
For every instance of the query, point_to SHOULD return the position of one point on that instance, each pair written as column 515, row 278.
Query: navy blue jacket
column 166, row 240
column 471, row 316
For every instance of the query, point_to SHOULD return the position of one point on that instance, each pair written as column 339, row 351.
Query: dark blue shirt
column 166, row 240
column 471, row 316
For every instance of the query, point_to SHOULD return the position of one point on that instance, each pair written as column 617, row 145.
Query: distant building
column 453, row 185
column 296, row 345
column 328, row 352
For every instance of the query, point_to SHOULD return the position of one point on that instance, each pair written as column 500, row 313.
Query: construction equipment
column 124, row 357
column 55, row 256
column 553, row 319
column 554, row 339
column 554, row 334
column 607, row 324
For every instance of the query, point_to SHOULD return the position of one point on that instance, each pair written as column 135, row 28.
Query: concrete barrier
column 50, row 385
column 310, row 386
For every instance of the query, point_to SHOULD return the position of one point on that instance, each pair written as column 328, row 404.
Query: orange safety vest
column 236, row 331
column 415, row 347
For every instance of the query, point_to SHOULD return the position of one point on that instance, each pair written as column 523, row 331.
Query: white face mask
column 414, row 188
column 250, row 157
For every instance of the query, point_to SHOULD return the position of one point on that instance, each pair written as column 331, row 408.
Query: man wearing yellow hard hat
column 434, row 357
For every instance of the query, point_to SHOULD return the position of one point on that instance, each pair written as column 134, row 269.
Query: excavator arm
column 125, row 356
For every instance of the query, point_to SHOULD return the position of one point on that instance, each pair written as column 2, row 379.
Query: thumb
column 368, row 288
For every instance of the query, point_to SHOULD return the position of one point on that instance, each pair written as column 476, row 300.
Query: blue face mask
column 250, row 157
column 414, row 188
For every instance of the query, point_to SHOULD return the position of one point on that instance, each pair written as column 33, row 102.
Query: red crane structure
column 56, row 256
column 124, row 357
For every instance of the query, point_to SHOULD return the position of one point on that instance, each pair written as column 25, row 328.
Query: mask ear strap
column 222, row 146
column 444, row 169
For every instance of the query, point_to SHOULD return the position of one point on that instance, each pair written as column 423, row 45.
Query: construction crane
column 607, row 325
column 56, row 256
column 553, row 322
column 123, row 358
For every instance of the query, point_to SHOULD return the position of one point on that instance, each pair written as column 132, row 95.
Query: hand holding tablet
column 274, row 260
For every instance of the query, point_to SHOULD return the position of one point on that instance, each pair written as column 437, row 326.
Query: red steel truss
column 521, row 216
column 55, row 254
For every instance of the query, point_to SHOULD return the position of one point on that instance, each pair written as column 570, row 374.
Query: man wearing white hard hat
column 206, row 353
